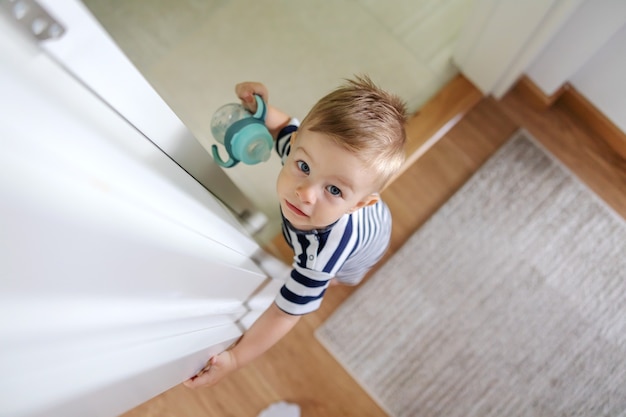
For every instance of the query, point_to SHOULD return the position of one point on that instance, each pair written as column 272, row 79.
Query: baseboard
column 581, row 108
column 535, row 95
column 440, row 114
column 571, row 100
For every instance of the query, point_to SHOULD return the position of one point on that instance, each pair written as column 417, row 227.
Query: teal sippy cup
column 243, row 134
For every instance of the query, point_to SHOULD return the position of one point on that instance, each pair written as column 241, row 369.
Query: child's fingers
column 196, row 381
column 208, row 365
column 199, row 380
column 246, row 91
column 202, row 377
column 248, row 101
column 247, row 96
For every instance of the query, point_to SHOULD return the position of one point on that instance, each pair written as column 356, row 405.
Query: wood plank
column 581, row 108
column 298, row 369
column 439, row 173
column 570, row 99
column 440, row 114
column 576, row 145
column 535, row 96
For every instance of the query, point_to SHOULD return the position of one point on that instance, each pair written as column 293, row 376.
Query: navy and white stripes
column 346, row 250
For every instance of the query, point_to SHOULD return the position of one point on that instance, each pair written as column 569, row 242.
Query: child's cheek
column 284, row 181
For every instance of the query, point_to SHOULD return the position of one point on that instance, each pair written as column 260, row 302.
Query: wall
column 194, row 53
column 589, row 52
column 602, row 79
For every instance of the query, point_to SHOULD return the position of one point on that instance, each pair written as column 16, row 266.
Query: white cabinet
column 120, row 274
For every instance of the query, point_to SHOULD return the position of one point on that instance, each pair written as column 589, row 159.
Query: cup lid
column 252, row 146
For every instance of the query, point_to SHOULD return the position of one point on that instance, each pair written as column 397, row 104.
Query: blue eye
column 304, row 167
column 333, row 190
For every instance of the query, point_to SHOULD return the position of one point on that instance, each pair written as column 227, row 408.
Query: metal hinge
column 33, row 18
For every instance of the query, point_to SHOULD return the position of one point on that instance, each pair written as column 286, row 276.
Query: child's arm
column 275, row 119
column 264, row 333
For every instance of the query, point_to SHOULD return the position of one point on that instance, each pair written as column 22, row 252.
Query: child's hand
column 217, row 368
column 246, row 91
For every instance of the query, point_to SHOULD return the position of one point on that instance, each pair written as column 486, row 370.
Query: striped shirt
column 345, row 250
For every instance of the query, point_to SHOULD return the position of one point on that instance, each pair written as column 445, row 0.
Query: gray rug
column 509, row 301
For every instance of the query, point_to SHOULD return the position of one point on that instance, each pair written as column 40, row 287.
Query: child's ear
column 367, row 201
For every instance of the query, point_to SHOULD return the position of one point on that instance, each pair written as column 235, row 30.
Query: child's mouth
column 295, row 209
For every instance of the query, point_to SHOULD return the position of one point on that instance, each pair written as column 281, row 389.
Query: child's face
column 321, row 181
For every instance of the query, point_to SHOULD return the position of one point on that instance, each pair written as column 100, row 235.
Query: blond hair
column 365, row 120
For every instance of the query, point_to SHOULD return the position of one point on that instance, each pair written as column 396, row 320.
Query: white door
column 119, row 273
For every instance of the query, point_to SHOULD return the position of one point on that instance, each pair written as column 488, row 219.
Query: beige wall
column 590, row 53
column 193, row 52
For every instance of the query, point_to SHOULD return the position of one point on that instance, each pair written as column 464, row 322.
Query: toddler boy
column 334, row 165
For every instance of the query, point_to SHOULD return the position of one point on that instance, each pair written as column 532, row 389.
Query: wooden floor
column 298, row 369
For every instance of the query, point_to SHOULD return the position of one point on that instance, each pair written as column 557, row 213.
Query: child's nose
column 306, row 193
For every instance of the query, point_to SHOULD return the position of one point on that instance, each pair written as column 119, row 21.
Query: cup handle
column 261, row 109
column 216, row 156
